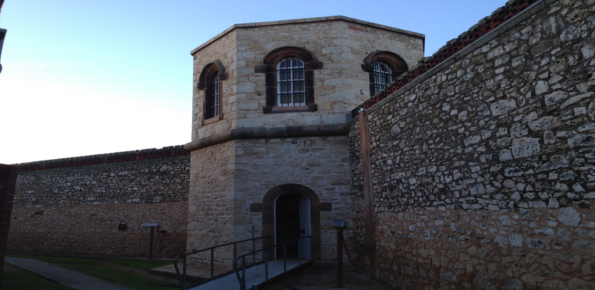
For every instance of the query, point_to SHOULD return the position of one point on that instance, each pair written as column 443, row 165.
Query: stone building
column 269, row 128
column 475, row 169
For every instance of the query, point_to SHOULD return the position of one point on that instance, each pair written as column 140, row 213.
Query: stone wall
column 230, row 177
column 320, row 163
column 93, row 229
column 77, row 210
column 483, row 168
column 211, row 202
column 8, row 178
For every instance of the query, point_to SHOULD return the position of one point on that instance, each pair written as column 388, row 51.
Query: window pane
column 290, row 82
column 382, row 77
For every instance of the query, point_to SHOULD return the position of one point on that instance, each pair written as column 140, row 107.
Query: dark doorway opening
column 292, row 221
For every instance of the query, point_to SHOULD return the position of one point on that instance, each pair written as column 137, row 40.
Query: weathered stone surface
column 555, row 98
column 545, row 123
column 553, row 25
column 584, row 245
column 525, row 147
column 570, row 33
column 541, row 87
column 395, row 131
column 68, row 207
column 575, row 99
column 92, row 229
column 581, row 140
column 512, row 284
column 447, row 276
column 150, row 181
column 579, row 284
column 556, row 161
column 511, row 189
column 569, row 216
column 516, row 240
column 503, row 107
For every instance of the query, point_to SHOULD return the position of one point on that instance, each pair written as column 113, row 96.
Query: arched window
column 210, row 81
column 291, row 87
column 212, row 97
column 383, row 68
column 383, row 77
column 289, row 73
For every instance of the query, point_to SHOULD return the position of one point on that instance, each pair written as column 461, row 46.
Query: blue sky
column 86, row 77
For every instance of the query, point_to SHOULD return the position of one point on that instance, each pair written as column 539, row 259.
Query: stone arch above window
column 208, row 71
column 269, row 67
column 210, row 80
column 396, row 64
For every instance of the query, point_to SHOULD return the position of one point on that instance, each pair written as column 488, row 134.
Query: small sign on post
column 152, row 226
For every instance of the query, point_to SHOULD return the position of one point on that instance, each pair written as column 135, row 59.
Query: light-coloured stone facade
column 231, row 176
column 340, row 43
column 210, row 201
column 321, row 163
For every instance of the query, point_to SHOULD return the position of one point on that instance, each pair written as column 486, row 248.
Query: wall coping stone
column 510, row 23
column 303, row 21
column 102, row 159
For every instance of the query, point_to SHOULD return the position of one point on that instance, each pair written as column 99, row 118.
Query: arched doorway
column 292, row 221
column 267, row 207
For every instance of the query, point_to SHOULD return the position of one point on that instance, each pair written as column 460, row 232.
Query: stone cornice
column 280, row 132
column 306, row 20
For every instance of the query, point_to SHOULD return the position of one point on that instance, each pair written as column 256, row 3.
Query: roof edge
column 305, row 20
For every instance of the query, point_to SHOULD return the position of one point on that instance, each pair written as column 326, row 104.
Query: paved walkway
column 63, row 276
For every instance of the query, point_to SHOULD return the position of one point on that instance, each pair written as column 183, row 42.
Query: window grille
column 383, row 77
column 216, row 95
column 290, row 82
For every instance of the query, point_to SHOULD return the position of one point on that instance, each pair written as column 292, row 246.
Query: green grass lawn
column 91, row 268
column 18, row 279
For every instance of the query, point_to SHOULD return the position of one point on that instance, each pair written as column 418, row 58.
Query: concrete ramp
column 255, row 276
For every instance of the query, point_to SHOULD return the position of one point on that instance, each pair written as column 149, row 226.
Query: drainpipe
column 367, row 173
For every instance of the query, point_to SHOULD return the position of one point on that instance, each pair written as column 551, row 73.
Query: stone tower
column 269, row 134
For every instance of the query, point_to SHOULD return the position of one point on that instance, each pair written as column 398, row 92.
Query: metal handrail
column 242, row 278
column 182, row 278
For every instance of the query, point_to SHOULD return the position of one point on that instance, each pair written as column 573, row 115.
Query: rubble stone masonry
column 484, row 168
column 77, row 210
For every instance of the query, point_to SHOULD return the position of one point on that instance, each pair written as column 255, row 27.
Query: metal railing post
column 212, row 263
column 184, row 275
column 243, row 273
column 299, row 253
column 266, row 267
column 253, row 247
column 311, row 251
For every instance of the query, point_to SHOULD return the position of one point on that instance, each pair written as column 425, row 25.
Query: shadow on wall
column 483, row 170
column 8, row 179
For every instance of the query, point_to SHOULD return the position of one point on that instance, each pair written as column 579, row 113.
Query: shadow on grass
column 119, row 277
column 15, row 278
